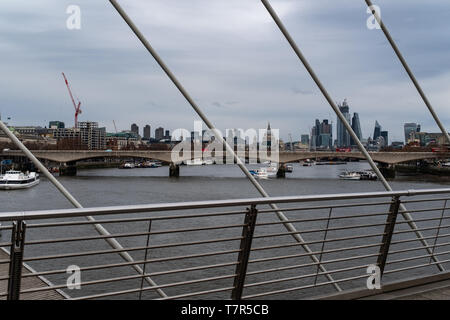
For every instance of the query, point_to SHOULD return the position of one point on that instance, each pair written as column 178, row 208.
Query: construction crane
column 76, row 106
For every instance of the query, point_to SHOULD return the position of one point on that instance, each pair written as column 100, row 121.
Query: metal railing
column 234, row 249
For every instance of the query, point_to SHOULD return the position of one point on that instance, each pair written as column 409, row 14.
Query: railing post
column 244, row 253
column 388, row 231
column 16, row 257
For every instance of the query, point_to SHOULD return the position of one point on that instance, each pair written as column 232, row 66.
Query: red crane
column 77, row 107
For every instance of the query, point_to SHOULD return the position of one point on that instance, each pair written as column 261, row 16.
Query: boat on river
column 12, row 180
column 349, row 175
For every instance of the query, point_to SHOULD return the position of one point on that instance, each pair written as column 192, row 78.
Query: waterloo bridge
column 68, row 158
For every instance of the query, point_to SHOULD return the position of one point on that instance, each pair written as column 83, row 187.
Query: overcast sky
column 232, row 59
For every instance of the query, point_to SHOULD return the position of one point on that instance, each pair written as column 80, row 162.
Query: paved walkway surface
column 434, row 287
column 27, row 283
column 433, row 291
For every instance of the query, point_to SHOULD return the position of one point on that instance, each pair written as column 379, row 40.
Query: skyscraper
column 159, row 133
column 135, row 128
column 322, row 135
column 376, row 131
column 385, row 136
column 410, row 128
column 356, row 126
column 343, row 137
column 147, row 132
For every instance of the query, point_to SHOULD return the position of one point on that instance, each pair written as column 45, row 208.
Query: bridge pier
column 68, row 169
column 281, row 172
column 174, row 170
column 388, row 170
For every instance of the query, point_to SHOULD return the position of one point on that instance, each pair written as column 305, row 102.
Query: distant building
column 343, row 137
column 410, row 128
column 356, row 126
column 121, row 140
column 385, row 136
column 159, row 134
column 135, row 128
column 66, row 133
column 322, row 135
column 397, row 144
column 426, row 138
column 304, row 139
column 147, row 132
column 376, row 131
column 92, row 136
column 30, row 131
column 267, row 138
column 56, row 125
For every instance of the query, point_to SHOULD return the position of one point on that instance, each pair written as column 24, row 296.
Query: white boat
column 350, row 175
column 127, row 165
column 195, row 162
column 263, row 173
column 151, row 164
column 289, row 168
column 12, row 180
column 308, row 163
column 208, row 161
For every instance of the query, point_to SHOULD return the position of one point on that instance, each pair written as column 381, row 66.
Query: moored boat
column 127, row 165
column 12, row 180
column 348, row 175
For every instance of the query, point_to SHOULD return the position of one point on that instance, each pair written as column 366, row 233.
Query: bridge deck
column 27, row 283
column 436, row 287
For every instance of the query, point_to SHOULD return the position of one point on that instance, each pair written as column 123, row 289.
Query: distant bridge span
column 380, row 157
column 66, row 156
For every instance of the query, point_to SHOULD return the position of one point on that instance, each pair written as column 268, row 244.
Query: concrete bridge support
column 174, row 170
column 388, row 171
column 281, row 173
column 68, row 169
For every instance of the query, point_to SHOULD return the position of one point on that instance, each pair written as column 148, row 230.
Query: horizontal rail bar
column 417, row 257
column 187, row 216
column 426, row 200
column 415, row 239
column 418, row 248
column 301, row 266
column 132, row 235
column 109, row 294
column 281, row 234
column 261, row 283
column 422, row 229
column 198, row 293
column 323, row 219
column 78, row 212
column 303, row 287
column 336, row 239
column 313, row 263
column 138, row 276
column 287, row 245
column 334, row 206
column 417, row 266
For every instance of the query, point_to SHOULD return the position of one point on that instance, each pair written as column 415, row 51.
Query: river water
column 108, row 187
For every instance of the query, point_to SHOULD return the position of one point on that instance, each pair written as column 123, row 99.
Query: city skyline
column 354, row 122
